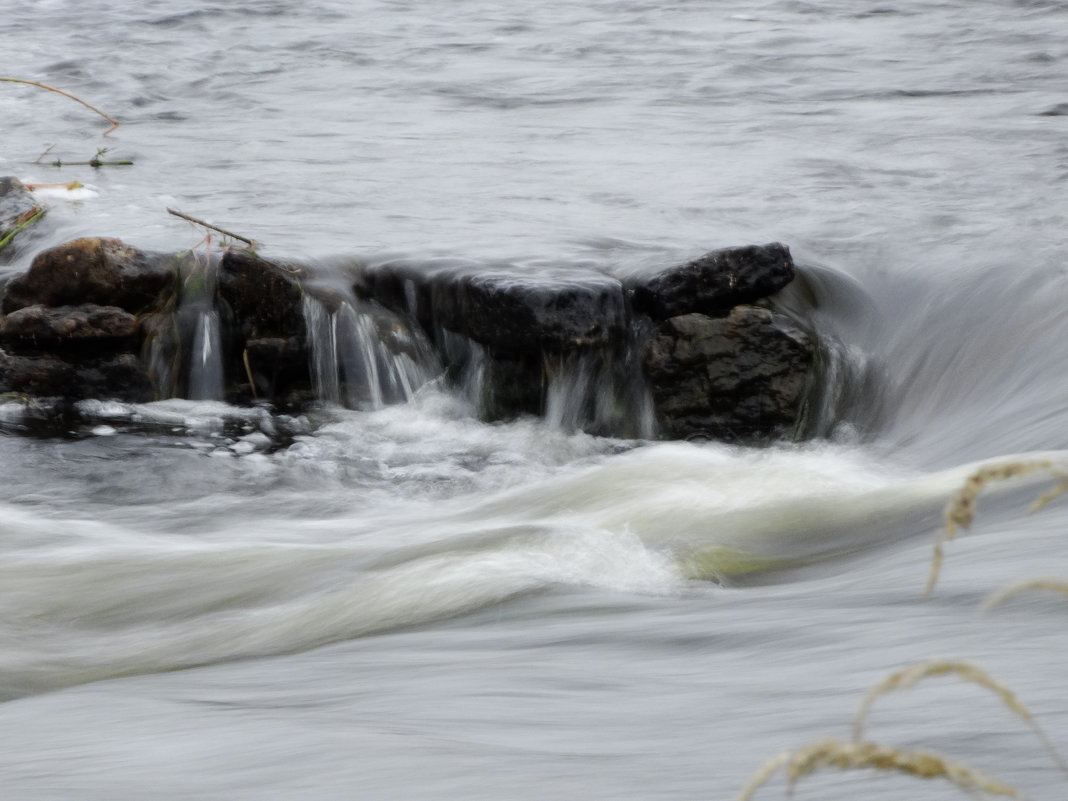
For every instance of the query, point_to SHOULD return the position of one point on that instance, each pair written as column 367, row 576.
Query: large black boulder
column 504, row 309
column 510, row 313
column 714, row 283
column 739, row 378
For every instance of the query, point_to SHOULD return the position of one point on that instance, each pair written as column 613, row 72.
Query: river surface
column 406, row 603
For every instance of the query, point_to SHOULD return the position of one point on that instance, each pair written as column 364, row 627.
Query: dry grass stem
column 909, row 677
column 1052, row 585
column 1050, row 494
column 114, row 122
column 70, row 186
column 196, row 221
column 850, row 756
column 248, row 373
column 960, row 512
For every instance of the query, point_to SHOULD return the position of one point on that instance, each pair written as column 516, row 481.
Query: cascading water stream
column 353, row 364
column 602, row 392
column 205, row 362
column 184, row 346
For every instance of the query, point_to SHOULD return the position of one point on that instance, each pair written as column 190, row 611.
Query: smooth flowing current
column 397, row 601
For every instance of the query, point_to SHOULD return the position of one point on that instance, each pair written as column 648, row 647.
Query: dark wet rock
column 120, row 377
column 264, row 297
column 263, row 308
column 49, row 326
column 504, row 310
column 511, row 386
column 17, row 209
column 93, row 270
column 714, row 283
column 278, row 368
column 410, row 287
column 48, row 376
column 737, row 378
column 569, row 344
column 510, row 313
column 741, row 379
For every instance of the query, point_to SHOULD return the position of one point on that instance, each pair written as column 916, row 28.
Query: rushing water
column 399, row 602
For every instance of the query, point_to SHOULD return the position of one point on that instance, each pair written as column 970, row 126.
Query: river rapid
column 204, row 602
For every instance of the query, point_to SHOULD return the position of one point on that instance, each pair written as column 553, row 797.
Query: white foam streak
column 70, row 619
column 89, row 600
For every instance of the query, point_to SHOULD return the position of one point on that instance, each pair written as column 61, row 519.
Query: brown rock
column 47, row 325
column 92, row 270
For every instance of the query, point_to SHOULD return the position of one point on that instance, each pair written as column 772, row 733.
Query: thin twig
column 250, row 242
column 47, row 151
column 91, row 163
column 114, row 122
column 248, row 372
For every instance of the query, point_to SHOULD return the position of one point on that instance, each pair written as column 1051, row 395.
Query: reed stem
column 114, row 122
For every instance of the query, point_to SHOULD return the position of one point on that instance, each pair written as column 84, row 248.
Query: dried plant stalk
column 196, row 221
column 849, row 756
column 960, row 512
column 1052, row 585
column 114, row 122
column 1050, row 494
column 909, row 677
column 904, row 679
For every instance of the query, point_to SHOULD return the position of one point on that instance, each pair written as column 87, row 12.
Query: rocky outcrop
column 507, row 320
column 733, row 371
column 698, row 348
column 737, row 378
column 71, row 327
column 73, row 352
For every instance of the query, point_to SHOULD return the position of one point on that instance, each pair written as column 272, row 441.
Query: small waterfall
column 364, row 358
column 161, row 353
column 184, row 342
column 466, row 366
column 322, row 334
column 599, row 391
column 198, row 321
column 206, row 381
